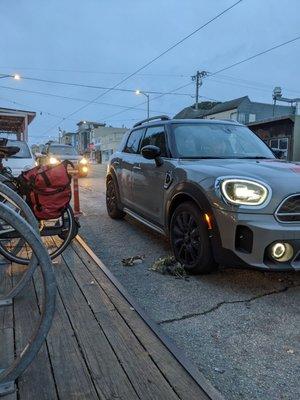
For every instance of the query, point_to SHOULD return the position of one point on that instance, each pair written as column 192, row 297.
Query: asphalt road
column 241, row 327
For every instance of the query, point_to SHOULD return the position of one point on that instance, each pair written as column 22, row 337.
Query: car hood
column 283, row 177
column 67, row 157
column 17, row 165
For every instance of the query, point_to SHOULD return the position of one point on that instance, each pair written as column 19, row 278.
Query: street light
column 16, row 76
column 138, row 92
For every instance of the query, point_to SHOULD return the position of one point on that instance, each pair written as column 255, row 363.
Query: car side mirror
column 151, row 152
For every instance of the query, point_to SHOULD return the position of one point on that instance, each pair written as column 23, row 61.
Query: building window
column 233, row 116
column 281, row 144
column 252, row 117
column 242, row 118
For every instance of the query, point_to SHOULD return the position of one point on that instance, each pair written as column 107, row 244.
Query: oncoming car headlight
column 83, row 161
column 244, row 192
column 53, row 160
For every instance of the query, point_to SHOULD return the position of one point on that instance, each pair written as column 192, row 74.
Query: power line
column 254, row 56
column 154, row 59
column 178, row 75
column 252, row 84
column 228, row 67
column 94, row 86
column 26, row 105
column 246, row 59
column 155, row 98
column 68, row 97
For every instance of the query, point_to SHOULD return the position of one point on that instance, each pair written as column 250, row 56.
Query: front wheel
column 189, row 239
column 112, row 201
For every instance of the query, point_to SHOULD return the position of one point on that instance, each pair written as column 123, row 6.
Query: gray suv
column 214, row 188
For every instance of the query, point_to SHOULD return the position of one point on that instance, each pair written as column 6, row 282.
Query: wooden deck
column 100, row 346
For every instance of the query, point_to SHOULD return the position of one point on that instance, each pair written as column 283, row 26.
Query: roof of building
column 17, row 112
column 191, row 112
column 90, row 123
column 227, row 105
column 273, row 119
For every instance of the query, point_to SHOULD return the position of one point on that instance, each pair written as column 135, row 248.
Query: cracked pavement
column 240, row 326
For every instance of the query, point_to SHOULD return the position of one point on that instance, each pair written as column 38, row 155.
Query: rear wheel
column 112, row 201
column 189, row 239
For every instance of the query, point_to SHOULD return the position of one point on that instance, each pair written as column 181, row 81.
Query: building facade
column 280, row 133
column 94, row 139
column 107, row 140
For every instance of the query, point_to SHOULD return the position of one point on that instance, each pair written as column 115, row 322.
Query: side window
column 156, row 137
column 122, row 144
column 133, row 141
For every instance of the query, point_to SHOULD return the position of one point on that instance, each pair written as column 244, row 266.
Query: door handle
column 116, row 163
column 137, row 167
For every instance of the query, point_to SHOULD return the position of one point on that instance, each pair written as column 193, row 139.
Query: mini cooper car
column 214, row 188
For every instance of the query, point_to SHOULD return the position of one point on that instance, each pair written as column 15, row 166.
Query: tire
column 13, row 249
column 189, row 239
column 112, row 197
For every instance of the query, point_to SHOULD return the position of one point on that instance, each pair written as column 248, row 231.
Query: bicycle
column 56, row 233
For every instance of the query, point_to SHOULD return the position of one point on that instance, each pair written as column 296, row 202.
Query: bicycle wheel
column 56, row 235
column 9, row 373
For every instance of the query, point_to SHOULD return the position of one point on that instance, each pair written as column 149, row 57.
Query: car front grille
column 289, row 209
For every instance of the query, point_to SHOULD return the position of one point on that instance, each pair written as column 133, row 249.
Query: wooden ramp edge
column 190, row 368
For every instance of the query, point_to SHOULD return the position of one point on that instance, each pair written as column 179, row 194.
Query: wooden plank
column 107, row 374
column 6, row 326
column 182, row 382
column 37, row 381
column 72, row 377
column 133, row 357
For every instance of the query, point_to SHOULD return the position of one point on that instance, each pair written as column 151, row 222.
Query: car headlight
column 53, row 160
column 83, row 161
column 244, row 192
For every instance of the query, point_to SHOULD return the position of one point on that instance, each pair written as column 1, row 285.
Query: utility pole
column 198, row 79
column 59, row 134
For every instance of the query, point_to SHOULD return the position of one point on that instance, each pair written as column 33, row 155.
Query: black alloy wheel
column 189, row 239
column 112, row 201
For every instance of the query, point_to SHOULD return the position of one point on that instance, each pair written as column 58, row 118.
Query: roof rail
column 160, row 117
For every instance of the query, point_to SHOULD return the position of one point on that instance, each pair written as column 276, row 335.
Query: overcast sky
column 99, row 42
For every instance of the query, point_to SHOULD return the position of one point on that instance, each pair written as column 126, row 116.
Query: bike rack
column 41, row 258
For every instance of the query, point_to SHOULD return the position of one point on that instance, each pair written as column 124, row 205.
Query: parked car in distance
column 214, row 188
column 54, row 153
column 21, row 161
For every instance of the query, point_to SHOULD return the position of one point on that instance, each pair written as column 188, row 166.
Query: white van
column 21, row 161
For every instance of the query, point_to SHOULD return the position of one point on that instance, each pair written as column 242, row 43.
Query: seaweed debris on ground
column 169, row 266
column 131, row 261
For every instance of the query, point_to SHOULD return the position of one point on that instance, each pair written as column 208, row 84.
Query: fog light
column 281, row 252
column 85, row 170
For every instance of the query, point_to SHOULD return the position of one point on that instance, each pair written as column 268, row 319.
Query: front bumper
column 265, row 230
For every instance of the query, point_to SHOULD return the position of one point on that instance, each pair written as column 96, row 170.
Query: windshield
column 63, row 150
column 24, row 151
column 217, row 141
